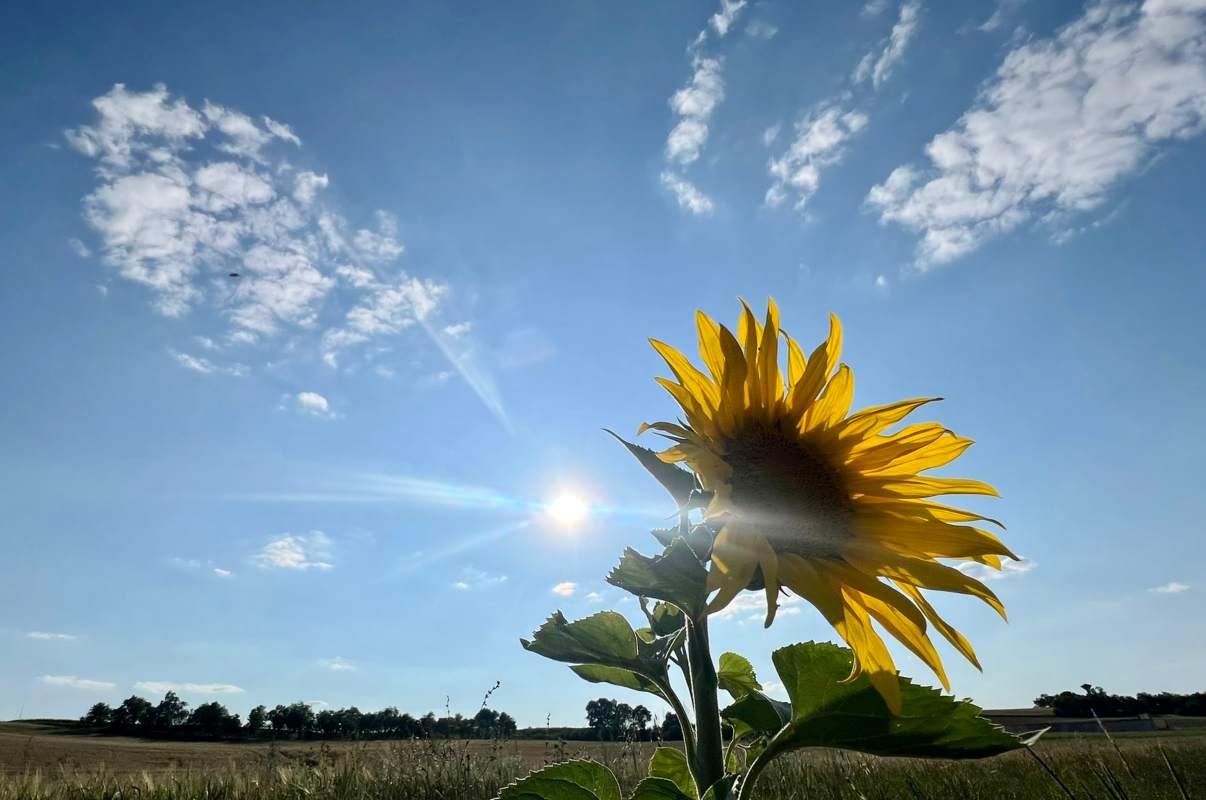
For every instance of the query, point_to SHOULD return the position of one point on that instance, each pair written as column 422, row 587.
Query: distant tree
column 279, row 718
column 505, row 727
column 134, row 712
column 256, row 719
column 427, row 725
column 601, row 717
column 672, row 729
column 640, row 719
column 327, row 722
column 213, row 719
column 299, row 719
column 349, row 722
column 170, row 712
column 99, row 716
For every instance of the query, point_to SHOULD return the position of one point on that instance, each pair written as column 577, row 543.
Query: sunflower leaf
column 667, row 619
column 671, row 763
column 607, row 647
column 736, row 675
column 569, row 780
column 829, row 713
column 676, row 576
column 658, row 789
column 675, row 480
column 616, row 676
column 755, row 713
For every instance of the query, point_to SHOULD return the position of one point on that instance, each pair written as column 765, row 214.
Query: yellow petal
column 917, row 486
column 820, row 366
column 872, row 420
column 694, row 381
column 907, row 632
column 873, row 656
column 948, row 631
column 919, row 572
column 831, row 408
column 709, row 345
column 732, row 566
column 768, row 360
column 747, row 333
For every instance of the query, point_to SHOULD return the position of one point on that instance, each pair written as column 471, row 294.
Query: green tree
column 601, row 717
column 134, row 712
column 299, row 719
column 256, row 718
column 171, row 711
column 211, row 718
column 672, row 729
column 99, row 716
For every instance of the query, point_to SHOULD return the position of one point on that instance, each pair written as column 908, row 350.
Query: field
column 41, row 761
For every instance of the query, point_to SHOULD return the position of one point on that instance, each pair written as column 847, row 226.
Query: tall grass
column 456, row 771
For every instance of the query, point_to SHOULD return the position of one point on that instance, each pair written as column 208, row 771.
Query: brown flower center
column 790, row 492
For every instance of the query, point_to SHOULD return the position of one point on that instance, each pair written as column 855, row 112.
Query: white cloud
column 694, row 104
column 314, row 405
column 771, row 134
column 75, row 682
column 222, row 573
column 303, row 552
column 879, row 68
column 1172, row 587
column 163, row 687
column 207, row 367
column 759, row 29
column 689, row 197
column 820, row 142
column 723, row 19
column 458, row 329
column 474, row 578
column 337, row 664
column 46, row 636
column 881, row 281
column 185, row 196
column 79, row 248
column 594, row 597
column 1003, row 9
column 1062, row 121
column 565, row 588
column 1008, row 569
column 749, row 607
column 873, row 8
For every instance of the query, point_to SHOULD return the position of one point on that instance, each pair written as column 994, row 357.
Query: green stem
column 684, row 722
column 708, row 766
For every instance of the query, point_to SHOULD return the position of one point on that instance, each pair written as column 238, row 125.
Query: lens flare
column 568, row 510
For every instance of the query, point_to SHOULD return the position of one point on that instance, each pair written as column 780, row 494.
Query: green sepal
column 676, row 576
column 675, row 480
column 829, row 713
column 671, row 763
column 569, row 780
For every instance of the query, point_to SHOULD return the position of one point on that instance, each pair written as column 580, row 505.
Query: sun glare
column 568, row 510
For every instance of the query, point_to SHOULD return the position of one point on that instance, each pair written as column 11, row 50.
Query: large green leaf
column 617, row 676
column 755, row 713
column 671, row 763
column 604, row 640
column 736, row 675
column 569, row 780
column 675, row 480
column 658, row 789
column 676, row 576
column 829, row 713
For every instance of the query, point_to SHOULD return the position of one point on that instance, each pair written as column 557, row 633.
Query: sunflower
column 827, row 504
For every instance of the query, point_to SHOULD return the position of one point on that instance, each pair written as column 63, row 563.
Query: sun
column 567, row 509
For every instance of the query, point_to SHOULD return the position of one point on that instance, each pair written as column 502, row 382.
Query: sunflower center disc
column 790, row 492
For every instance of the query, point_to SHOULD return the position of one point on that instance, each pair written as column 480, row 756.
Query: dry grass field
column 44, row 762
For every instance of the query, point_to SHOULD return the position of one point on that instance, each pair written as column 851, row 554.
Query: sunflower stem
column 708, row 764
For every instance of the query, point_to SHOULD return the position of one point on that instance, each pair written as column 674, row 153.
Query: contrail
column 479, row 380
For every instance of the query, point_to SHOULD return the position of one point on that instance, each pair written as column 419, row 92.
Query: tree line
column 1095, row 700
column 171, row 717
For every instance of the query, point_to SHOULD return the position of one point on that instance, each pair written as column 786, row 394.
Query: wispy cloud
column 565, row 588
column 222, row 573
column 689, row 197
column 75, row 682
column 207, row 367
column 820, row 142
column 202, row 206
column 1062, row 121
column 337, row 664
column 46, row 636
column 723, row 19
column 301, row 552
column 878, row 66
column 472, row 578
column 823, row 133
column 750, row 607
column 1172, row 587
column 163, row 687
column 1009, row 569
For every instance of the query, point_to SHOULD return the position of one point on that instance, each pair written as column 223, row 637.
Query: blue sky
column 456, row 228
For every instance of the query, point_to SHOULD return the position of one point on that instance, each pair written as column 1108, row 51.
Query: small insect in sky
column 233, row 275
